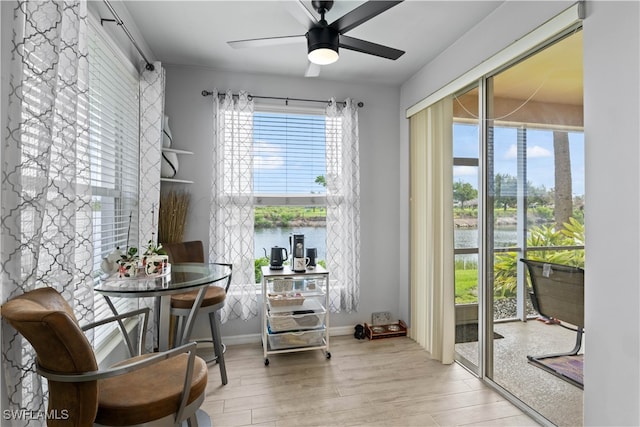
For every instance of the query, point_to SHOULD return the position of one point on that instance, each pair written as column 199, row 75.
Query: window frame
column 117, row 191
column 287, row 199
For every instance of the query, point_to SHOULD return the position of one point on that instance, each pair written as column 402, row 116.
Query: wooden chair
column 157, row 388
column 212, row 303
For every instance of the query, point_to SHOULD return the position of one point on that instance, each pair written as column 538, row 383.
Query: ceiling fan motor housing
column 323, row 38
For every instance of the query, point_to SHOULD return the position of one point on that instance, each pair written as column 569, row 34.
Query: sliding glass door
column 466, row 185
column 534, row 156
column 518, row 149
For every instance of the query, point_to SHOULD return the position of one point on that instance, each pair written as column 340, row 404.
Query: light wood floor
column 387, row 382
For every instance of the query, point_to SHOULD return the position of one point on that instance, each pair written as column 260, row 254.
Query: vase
column 167, row 138
column 127, row 268
column 155, row 265
column 169, row 165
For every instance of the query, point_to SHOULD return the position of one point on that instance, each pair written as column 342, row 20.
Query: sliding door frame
column 557, row 28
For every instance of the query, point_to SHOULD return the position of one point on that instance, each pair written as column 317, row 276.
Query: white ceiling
column 195, row 33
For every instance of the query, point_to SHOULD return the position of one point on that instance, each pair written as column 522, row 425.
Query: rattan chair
column 164, row 388
column 212, row 303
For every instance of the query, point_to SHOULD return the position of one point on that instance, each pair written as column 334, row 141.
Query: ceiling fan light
column 323, row 56
column 322, row 44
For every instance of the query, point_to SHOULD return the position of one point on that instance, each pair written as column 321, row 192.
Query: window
column 114, row 153
column 289, row 169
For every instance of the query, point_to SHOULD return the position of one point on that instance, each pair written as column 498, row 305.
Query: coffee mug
column 312, row 254
column 300, row 264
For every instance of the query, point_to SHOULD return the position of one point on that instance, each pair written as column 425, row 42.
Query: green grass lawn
column 466, row 286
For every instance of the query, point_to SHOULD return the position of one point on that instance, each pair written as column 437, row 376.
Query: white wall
column 502, row 27
column 612, row 212
column 192, row 128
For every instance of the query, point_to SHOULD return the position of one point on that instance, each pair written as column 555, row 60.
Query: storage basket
column 282, row 285
column 288, row 322
column 296, row 339
column 284, row 300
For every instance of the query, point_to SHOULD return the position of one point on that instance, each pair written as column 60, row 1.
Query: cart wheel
column 266, row 362
column 328, row 355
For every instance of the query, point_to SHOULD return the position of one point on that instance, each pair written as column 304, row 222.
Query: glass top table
column 184, row 277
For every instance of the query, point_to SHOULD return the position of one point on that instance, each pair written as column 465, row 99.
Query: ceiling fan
column 324, row 39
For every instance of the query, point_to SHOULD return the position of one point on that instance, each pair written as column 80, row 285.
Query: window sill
column 105, row 352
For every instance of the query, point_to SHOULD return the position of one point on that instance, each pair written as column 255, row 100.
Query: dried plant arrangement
column 174, row 206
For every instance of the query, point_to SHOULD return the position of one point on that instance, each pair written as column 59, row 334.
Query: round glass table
column 183, row 277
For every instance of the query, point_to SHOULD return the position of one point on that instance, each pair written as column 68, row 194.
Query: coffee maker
column 297, row 252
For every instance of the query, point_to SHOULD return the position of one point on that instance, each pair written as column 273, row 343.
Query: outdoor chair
column 164, row 388
column 558, row 293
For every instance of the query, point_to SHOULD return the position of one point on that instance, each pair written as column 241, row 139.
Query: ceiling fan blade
column 363, row 46
column 362, row 14
column 299, row 11
column 269, row 41
column 313, row 70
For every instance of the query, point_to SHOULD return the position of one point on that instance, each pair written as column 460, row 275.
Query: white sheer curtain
column 343, row 205
column 432, row 268
column 232, row 211
column 46, row 201
column 152, row 83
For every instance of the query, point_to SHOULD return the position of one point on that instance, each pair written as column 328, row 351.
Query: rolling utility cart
column 295, row 311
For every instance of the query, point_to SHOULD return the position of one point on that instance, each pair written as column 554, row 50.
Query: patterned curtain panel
column 151, row 121
column 46, row 201
column 232, row 212
column 343, row 206
column 152, row 85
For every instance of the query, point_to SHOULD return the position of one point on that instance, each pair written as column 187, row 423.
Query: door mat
column 468, row 332
column 569, row 368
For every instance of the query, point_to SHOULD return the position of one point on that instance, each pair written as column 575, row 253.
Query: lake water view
column 315, row 237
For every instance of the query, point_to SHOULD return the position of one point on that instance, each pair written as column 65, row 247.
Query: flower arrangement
column 128, row 263
column 155, row 260
column 153, row 249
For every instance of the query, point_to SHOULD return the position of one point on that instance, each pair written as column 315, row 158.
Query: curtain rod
column 210, row 93
column 119, row 21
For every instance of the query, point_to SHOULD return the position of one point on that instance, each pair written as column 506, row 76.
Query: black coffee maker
column 299, row 263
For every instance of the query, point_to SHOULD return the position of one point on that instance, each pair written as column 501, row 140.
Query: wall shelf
column 178, row 181
column 178, row 152
column 173, row 150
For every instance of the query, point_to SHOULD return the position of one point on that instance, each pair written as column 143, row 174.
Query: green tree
column 505, row 190
column 563, row 190
column 463, row 191
column 320, row 180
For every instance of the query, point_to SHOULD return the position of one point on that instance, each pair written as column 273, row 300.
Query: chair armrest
column 121, row 369
column 118, row 318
